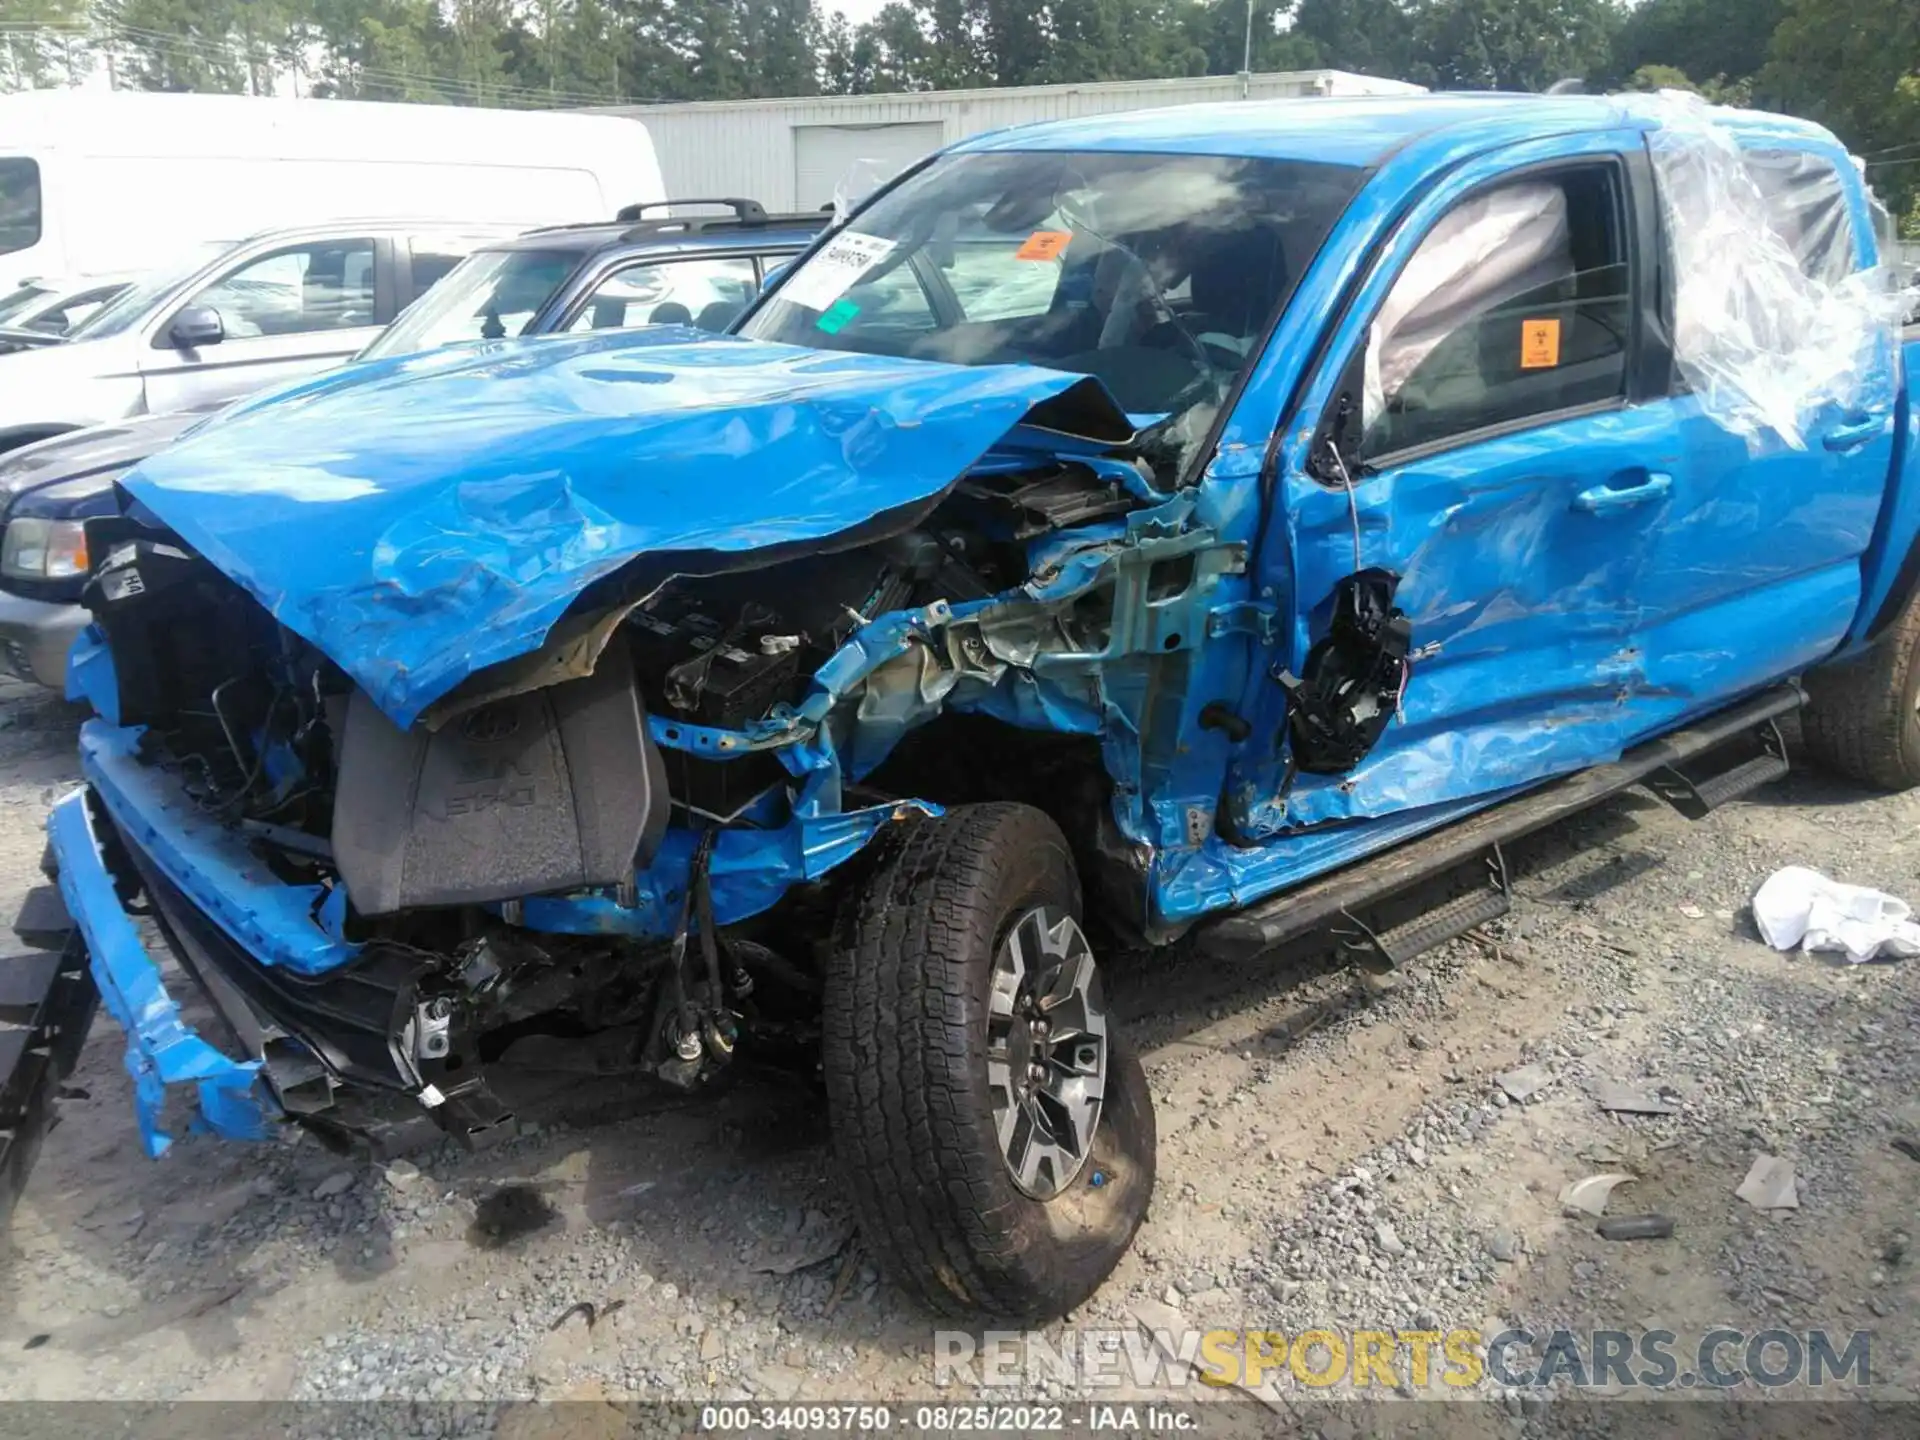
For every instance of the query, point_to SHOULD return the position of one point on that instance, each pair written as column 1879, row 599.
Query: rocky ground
column 1332, row 1153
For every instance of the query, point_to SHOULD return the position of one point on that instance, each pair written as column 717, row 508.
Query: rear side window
column 19, row 204
column 1806, row 204
column 708, row 293
column 1516, row 304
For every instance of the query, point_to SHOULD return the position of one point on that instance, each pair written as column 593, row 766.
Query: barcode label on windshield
column 835, row 270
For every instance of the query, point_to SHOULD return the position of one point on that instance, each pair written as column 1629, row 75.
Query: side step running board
column 1485, row 896
column 1695, row 797
column 1333, row 898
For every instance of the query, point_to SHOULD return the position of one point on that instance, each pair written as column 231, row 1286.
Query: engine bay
column 455, row 858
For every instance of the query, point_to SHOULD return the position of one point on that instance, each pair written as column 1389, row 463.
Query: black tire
column 905, row 1052
column 1861, row 717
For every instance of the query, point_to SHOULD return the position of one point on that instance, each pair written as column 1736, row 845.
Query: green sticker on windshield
column 835, row 317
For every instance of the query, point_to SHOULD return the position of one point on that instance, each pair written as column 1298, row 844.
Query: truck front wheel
column 995, row 1136
column 1863, row 714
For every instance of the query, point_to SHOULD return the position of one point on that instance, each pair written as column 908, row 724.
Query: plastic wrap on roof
column 1772, row 322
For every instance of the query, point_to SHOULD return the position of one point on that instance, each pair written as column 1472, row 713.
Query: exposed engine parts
column 429, row 847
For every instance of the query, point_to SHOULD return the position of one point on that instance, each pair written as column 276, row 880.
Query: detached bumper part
column 162, row 1049
column 47, row 1000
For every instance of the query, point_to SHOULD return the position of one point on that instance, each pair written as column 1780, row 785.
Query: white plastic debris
column 1589, row 1196
column 1801, row 907
column 1770, row 1185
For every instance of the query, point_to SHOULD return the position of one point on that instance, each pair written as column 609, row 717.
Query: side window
column 74, row 309
column 707, row 293
column 1806, row 204
column 1516, row 304
column 305, row 288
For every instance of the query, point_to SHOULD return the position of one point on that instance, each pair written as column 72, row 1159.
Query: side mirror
column 195, row 326
column 774, row 274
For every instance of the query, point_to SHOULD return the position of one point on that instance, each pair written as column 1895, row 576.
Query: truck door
column 295, row 309
column 1786, row 524
column 1478, row 430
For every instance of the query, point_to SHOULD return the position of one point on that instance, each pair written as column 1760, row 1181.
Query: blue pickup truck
column 1208, row 525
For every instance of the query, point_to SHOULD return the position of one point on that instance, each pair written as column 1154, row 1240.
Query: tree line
column 1852, row 64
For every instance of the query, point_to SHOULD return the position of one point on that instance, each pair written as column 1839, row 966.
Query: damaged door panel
column 1488, row 436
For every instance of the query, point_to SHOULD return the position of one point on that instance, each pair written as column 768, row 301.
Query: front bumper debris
column 47, row 1000
column 162, row 1049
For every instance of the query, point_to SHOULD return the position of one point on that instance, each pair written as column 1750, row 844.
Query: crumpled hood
column 423, row 518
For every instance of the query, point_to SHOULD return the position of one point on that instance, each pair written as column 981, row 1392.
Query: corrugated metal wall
column 747, row 147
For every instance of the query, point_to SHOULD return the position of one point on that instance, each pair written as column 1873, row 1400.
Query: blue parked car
column 699, row 270
column 1194, row 524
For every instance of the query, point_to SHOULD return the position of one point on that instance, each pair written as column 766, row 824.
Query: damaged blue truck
column 1191, row 527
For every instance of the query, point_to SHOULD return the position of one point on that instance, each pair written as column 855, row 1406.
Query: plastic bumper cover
column 162, row 1049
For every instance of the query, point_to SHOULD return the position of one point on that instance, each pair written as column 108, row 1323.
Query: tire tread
column 1859, row 718
column 905, row 1116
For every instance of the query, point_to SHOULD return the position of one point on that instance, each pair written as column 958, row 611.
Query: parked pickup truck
column 1196, row 525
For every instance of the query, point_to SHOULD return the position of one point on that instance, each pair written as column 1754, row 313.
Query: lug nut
column 686, row 1044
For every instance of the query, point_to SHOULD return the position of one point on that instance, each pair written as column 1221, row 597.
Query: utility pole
column 1246, row 57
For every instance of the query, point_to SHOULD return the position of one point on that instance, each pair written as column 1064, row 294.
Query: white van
column 121, row 180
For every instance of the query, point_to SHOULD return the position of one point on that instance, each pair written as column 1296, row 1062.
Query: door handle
column 1859, row 432
column 1605, row 499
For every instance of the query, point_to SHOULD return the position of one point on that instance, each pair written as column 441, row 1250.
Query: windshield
column 132, row 305
column 491, row 295
column 19, row 204
column 1157, row 273
column 16, row 303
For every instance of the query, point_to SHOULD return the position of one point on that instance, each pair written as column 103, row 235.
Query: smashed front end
column 543, row 728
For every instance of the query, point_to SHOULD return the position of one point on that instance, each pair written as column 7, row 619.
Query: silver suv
column 229, row 320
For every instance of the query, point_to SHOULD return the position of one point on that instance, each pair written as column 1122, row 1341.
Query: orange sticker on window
column 1539, row 344
column 1044, row 245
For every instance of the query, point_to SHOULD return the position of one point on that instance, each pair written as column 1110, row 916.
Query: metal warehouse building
column 789, row 154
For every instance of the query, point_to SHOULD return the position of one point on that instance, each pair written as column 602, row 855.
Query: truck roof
column 1348, row 130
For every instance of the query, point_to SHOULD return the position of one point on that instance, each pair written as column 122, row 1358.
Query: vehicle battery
column 702, row 671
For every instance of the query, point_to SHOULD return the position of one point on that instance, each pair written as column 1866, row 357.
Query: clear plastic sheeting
column 1492, row 249
column 1772, row 321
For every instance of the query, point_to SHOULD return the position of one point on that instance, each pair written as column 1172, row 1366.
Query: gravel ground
column 1333, row 1152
